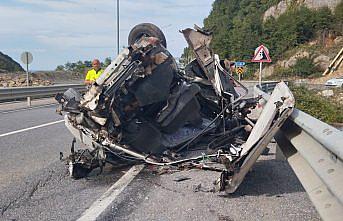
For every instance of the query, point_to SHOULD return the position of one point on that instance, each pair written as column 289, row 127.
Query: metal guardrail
column 36, row 92
column 269, row 86
column 314, row 151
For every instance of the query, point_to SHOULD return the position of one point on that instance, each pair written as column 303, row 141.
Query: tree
column 68, row 66
column 88, row 64
column 187, row 56
column 107, row 61
column 60, row 68
column 304, row 67
column 339, row 18
column 81, row 66
column 238, row 27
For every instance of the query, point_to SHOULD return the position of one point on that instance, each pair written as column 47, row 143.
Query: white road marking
column 110, row 195
column 31, row 128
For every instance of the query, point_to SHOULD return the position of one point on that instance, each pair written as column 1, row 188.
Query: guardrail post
column 29, row 101
column 278, row 154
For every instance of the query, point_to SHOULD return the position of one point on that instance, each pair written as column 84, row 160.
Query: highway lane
column 21, row 119
column 26, row 152
column 50, row 194
column 34, row 184
column 271, row 191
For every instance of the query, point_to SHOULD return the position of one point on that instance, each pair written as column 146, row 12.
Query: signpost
column 239, row 68
column 27, row 58
column 261, row 55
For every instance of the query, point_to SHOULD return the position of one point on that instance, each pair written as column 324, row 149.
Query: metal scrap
column 144, row 109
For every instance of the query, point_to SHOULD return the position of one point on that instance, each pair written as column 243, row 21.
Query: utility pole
column 117, row 26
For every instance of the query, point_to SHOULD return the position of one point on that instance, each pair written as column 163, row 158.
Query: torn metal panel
column 280, row 103
column 281, row 99
column 199, row 41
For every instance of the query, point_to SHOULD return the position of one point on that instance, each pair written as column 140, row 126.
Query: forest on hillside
column 238, row 27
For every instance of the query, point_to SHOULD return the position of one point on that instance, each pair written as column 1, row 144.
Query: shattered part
column 222, row 82
column 278, row 108
column 81, row 163
column 144, row 109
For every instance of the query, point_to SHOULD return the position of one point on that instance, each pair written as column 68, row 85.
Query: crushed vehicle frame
column 142, row 109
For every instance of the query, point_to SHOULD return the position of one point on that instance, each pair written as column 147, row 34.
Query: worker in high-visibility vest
column 94, row 73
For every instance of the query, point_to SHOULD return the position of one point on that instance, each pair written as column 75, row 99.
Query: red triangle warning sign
column 261, row 55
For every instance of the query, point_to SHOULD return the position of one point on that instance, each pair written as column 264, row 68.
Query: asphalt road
column 270, row 191
column 26, row 152
column 35, row 185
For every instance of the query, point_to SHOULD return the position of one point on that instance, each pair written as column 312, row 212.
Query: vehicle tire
column 146, row 29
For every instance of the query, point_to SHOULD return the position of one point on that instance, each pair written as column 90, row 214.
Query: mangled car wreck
column 144, row 109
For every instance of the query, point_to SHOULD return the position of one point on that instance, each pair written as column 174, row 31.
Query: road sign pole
column 27, row 79
column 27, row 70
column 26, row 57
column 260, row 76
column 261, row 55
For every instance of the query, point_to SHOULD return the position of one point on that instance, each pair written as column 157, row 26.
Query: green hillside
column 8, row 64
column 238, row 26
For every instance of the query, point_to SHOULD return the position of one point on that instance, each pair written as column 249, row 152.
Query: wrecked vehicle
column 143, row 109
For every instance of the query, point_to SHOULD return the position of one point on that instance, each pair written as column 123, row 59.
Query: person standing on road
column 94, row 73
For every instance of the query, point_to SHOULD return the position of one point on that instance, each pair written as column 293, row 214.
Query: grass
column 317, row 106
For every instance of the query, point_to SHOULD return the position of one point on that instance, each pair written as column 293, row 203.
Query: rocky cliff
column 276, row 10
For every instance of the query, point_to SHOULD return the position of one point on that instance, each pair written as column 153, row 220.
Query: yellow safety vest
column 92, row 75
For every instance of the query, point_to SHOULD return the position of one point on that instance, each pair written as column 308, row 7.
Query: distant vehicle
column 335, row 82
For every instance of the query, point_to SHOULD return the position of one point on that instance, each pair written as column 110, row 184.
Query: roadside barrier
column 15, row 93
column 314, row 150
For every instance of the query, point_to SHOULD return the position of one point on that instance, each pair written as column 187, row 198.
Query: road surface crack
column 40, row 183
column 4, row 209
column 26, row 195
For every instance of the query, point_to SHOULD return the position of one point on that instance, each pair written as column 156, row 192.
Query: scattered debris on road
column 144, row 109
column 182, row 178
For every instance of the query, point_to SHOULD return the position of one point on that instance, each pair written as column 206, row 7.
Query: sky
column 61, row 31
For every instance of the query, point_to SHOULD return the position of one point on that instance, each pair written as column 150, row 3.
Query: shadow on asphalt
column 270, row 178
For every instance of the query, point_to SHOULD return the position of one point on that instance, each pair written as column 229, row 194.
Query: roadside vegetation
column 81, row 66
column 303, row 68
column 298, row 26
column 316, row 105
column 238, row 27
